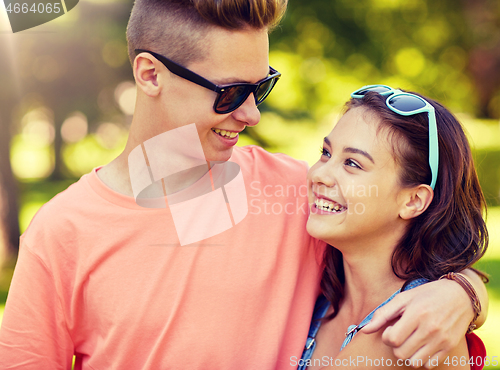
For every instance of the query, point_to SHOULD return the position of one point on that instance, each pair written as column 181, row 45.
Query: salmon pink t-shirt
column 106, row 280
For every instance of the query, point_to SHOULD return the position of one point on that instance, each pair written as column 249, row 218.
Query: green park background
column 67, row 95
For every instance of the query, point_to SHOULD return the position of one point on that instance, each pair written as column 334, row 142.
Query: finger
column 402, row 331
column 409, row 348
column 433, row 361
column 385, row 314
column 424, row 355
column 421, row 351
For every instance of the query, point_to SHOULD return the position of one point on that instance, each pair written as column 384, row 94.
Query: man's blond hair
column 178, row 28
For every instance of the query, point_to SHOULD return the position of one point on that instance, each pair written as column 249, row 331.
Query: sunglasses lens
column 263, row 90
column 377, row 89
column 231, row 98
column 406, row 103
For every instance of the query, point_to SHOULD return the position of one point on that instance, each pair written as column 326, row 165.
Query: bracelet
column 471, row 292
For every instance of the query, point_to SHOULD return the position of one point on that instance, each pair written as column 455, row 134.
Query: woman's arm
column 433, row 318
column 480, row 288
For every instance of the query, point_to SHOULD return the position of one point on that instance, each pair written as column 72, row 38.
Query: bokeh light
column 32, row 156
column 29, row 161
column 74, row 128
column 114, row 53
column 125, row 95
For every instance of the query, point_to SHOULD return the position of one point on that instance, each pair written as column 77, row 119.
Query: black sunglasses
column 229, row 97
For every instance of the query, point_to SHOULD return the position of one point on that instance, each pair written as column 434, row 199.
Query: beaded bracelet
column 471, row 292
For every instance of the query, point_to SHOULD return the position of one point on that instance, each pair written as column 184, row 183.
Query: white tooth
column 216, row 130
column 321, row 202
column 233, row 134
column 223, row 132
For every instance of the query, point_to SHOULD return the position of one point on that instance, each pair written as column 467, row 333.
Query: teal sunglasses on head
column 407, row 104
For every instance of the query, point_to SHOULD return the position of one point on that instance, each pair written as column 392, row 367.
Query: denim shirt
column 320, row 309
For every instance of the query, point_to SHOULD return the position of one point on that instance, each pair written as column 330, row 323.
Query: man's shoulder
column 72, row 197
column 57, row 213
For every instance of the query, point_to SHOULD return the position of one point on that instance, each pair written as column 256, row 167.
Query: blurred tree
column 484, row 57
column 9, row 225
column 65, row 66
column 72, row 68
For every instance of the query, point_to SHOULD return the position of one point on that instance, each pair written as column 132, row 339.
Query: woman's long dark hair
column 451, row 234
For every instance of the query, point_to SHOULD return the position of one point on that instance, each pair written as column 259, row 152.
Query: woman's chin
column 318, row 231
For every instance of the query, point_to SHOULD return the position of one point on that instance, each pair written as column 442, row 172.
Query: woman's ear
column 146, row 74
column 415, row 201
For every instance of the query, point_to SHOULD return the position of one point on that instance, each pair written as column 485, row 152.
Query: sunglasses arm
column 433, row 145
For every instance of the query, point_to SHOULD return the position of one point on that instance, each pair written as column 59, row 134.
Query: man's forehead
column 235, row 56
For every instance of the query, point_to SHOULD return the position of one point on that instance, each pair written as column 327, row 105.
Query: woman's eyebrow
column 352, row 150
column 359, row 151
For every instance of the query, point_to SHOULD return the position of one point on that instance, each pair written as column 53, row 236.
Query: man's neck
column 115, row 175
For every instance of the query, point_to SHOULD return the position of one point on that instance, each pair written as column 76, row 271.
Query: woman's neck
column 366, row 287
column 369, row 277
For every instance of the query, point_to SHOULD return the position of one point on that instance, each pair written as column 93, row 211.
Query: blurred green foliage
column 489, row 174
column 414, row 44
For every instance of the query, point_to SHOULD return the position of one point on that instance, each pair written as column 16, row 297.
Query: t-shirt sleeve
column 34, row 333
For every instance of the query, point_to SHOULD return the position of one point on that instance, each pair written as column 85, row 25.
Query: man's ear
column 146, row 74
column 415, row 201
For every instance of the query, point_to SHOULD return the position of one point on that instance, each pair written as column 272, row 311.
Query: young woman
column 396, row 195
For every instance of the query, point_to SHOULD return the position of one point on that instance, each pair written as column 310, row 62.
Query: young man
column 109, row 281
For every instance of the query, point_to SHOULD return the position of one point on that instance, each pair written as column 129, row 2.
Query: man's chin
column 221, row 156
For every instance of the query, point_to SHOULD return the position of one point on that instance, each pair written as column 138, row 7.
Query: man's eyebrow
column 235, row 80
column 231, row 80
column 327, row 141
column 359, row 151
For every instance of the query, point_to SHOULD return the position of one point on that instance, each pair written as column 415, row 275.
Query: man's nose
column 248, row 113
